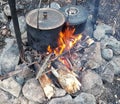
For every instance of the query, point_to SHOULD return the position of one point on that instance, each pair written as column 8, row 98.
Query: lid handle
column 44, row 15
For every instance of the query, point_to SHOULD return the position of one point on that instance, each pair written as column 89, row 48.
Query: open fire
column 66, row 40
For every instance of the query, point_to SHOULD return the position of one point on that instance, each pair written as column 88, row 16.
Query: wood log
column 67, row 80
column 47, row 85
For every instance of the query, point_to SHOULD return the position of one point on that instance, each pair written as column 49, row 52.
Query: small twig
column 43, row 67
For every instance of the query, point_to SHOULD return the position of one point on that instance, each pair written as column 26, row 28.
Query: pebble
column 115, row 62
column 112, row 43
column 107, row 54
column 101, row 31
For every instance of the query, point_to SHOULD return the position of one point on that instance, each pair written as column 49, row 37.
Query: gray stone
column 3, row 18
column 102, row 102
column 112, row 43
column 20, row 100
column 33, row 91
column 7, row 10
column 107, row 53
column 54, row 5
column 11, row 86
column 31, row 102
column 107, row 72
column 85, row 98
column 94, row 57
column 10, row 56
column 59, row 92
column 91, row 83
column 4, row 96
column 115, row 62
column 61, row 100
column 22, row 25
column 101, row 30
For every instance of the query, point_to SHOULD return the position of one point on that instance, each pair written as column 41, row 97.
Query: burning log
column 47, row 85
column 67, row 80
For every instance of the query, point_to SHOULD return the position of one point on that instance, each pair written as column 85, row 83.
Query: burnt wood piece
column 16, row 26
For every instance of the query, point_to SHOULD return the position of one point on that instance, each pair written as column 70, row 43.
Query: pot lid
column 45, row 18
column 75, row 14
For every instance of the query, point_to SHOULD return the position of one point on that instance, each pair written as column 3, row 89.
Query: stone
column 92, row 83
column 7, row 10
column 11, row 86
column 31, row 102
column 107, row 73
column 85, row 98
column 54, row 5
column 112, row 43
column 59, row 92
column 20, row 100
column 4, row 96
column 33, row 91
column 22, row 25
column 107, row 54
column 10, row 56
column 61, row 100
column 102, row 102
column 115, row 62
column 101, row 31
column 3, row 18
column 94, row 57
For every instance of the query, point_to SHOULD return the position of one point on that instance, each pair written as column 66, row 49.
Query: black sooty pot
column 76, row 16
column 43, row 27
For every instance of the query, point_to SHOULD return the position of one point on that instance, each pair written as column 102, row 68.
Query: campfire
column 66, row 40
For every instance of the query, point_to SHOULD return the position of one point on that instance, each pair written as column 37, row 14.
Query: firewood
column 47, row 86
column 43, row 67
column 67, row 80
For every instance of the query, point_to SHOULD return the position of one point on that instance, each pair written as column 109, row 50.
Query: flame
column 66, row 41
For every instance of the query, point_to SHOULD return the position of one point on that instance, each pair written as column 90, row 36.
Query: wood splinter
column 67, row 80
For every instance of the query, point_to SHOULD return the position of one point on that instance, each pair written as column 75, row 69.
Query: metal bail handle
column 45, row 15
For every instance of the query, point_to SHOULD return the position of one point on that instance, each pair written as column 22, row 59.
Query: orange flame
column 66, row 41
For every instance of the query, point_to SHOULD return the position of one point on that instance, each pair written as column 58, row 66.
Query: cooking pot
column 43, row 27
column 76, row 16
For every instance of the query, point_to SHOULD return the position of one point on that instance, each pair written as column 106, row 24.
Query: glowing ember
column 66, row 41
